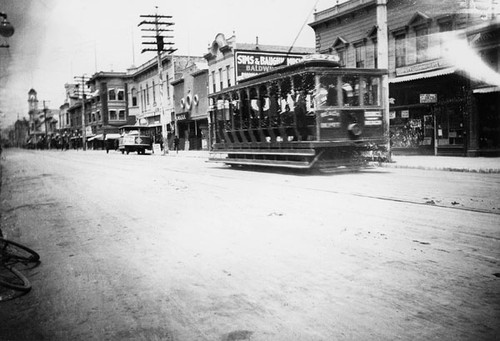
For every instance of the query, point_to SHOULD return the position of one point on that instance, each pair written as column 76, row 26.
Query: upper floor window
column 134, row 97
column 400, row 41
column 422, row 43
column 228, row 74
column 121, row 114
column 221, row 79
column 154, row 93
column 121, row 95
column 98, row 115
column 213, row 82
column 112, row 94
column 112, row 115
column 147, row 94
column 375, row 53
column 360, row 55
column 444, row 26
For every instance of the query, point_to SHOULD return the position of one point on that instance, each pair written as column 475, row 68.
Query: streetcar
column 134, row 138
column 310, row 115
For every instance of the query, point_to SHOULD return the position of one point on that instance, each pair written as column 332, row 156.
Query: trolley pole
column 82, row 80
column 383, row 63
column 159, row 24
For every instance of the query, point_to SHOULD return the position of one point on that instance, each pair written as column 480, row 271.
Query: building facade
column 229, row 62
column 191, row 106
column 435, row 107
column 151, row 98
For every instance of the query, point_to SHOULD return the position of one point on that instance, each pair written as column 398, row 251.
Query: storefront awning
column 423, row 75
column 486, row 90
column 112, row 136
column 95, row 137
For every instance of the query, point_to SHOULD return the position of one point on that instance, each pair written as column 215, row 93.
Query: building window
column 342, row 54
column 121, row 115
column 228, row 74
column 444, row 26
column 112, row 115
column 422, row 43
column 154, row 94
column 360, row 55
column 112, row 94
column 213, row 82
column 400, row 50
column 375, row 54
column 121, row 95
column 220, row 79
column 98, row 115
column 147, row 94
column 134, row 97
column 93, row 117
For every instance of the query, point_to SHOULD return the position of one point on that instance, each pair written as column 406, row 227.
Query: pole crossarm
column 155, row 16
column 155, row 23
column 156, row 50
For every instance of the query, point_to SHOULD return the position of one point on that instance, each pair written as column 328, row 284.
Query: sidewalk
column 429, row 162
column 446, row 163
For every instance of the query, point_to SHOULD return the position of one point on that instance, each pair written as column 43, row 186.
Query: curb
column 444, row 168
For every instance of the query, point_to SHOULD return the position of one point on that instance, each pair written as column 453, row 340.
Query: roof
column 273, row 48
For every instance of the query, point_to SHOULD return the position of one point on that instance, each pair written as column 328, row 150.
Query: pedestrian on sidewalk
column 176, row 144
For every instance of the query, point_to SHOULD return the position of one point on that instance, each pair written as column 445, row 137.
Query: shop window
column 112, row 115
column 112, row 94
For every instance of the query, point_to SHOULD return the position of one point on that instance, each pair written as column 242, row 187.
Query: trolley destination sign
column 252, row 63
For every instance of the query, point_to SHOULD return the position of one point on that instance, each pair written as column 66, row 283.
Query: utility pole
column 383, row 63
column 158, row 24
column 81, row 91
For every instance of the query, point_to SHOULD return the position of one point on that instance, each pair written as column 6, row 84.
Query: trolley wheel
column 10, row 250
column 128, row 151
column 123, row 151
column 11, row 278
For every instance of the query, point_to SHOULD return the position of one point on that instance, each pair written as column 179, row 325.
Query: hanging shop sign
column 252, row 63
column 428, row 98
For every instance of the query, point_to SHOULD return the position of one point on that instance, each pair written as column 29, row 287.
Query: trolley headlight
column 354, row 129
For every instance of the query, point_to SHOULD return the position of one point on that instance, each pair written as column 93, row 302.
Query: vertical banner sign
column 252, row 63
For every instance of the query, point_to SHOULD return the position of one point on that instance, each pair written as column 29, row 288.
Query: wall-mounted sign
column 182, row 117
column 421, row 67
column 405, row 113
column 392, row 115
column 252, row 63
column 428, row 98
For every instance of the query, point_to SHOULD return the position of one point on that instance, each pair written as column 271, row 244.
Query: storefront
column 428, row 113
column 192, row 132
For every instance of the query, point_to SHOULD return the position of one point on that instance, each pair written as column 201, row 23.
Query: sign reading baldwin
column 252, row 63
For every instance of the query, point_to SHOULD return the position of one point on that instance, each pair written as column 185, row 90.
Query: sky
column 57, row 40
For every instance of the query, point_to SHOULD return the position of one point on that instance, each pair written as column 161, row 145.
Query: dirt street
column 163, row 248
